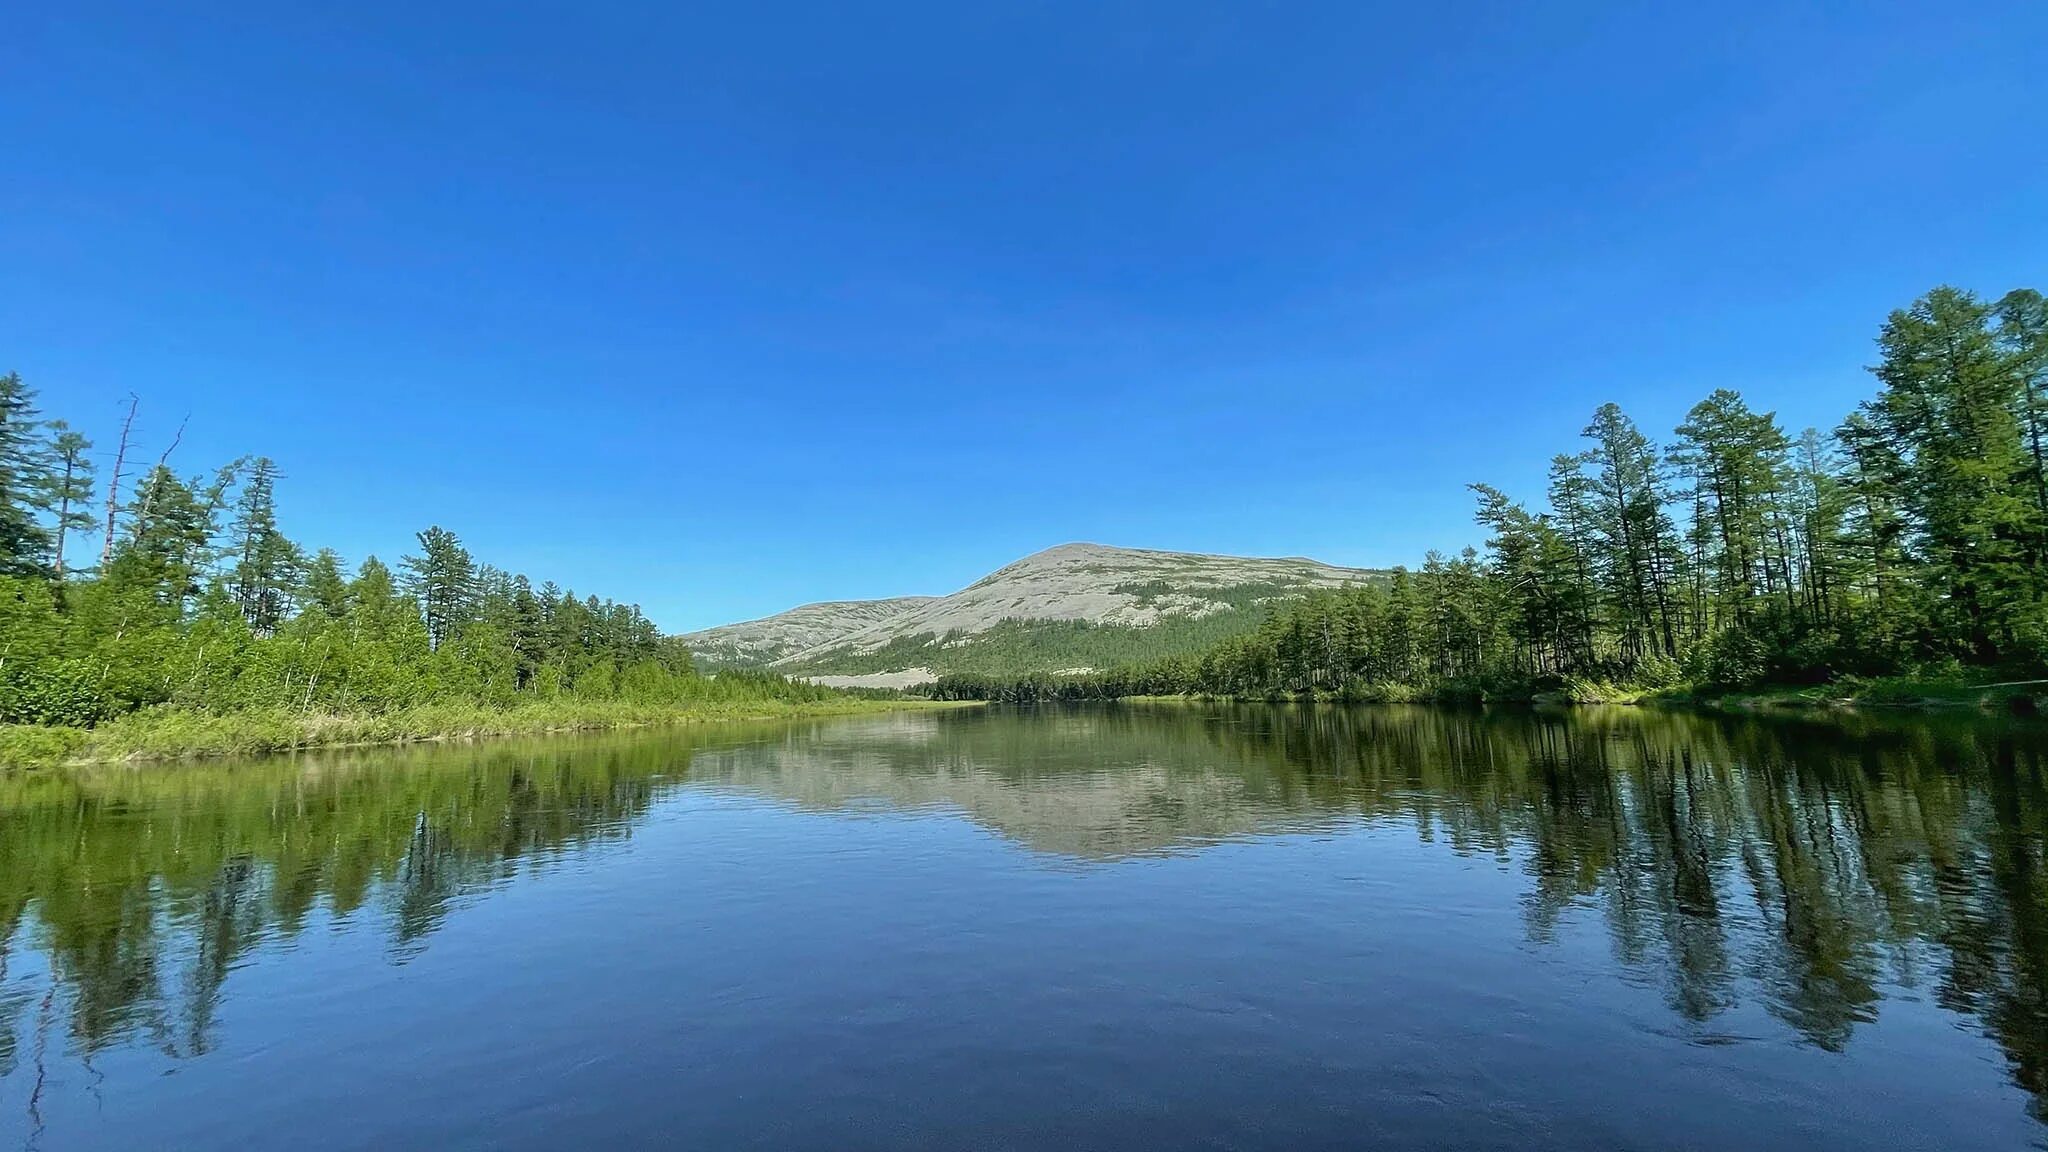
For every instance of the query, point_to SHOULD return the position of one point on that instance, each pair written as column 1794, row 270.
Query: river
column 1133, row 927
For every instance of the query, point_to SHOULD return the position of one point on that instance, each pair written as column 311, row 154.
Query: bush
column 1733, row 659
column 63, row 692
column 23, row 746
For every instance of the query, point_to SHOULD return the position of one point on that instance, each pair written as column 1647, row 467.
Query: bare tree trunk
column 142, row 513
column 64, row 510
column 114, row 486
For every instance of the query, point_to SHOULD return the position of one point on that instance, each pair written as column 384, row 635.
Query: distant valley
column 1072, row 607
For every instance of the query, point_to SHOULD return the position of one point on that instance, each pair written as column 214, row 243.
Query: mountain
column 1071, row 607
column 771, row 638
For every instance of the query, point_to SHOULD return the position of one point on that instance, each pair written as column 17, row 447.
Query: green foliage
column 23, row 541
column 62, row 692
column 200, row 637
column 443, row 579
column 1022, row 647
column 66, row 493
column 1913, row 539
column 37, row 746
column 267, row 566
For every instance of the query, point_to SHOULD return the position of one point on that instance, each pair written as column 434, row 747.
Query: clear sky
column 721, row 308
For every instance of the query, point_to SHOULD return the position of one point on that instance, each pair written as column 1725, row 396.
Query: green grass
column 172, row 734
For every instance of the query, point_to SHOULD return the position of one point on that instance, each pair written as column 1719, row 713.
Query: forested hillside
column 1912, row 538
column 1023, row 647
column 160, row 588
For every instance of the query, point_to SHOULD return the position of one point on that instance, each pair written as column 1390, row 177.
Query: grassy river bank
column 174, row 734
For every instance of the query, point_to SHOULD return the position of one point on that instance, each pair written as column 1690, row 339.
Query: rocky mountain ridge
column 1075, row 605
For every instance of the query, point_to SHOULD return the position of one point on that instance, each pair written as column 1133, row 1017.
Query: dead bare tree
column 114, row 482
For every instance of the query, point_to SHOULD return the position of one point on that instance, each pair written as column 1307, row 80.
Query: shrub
column 62, row 692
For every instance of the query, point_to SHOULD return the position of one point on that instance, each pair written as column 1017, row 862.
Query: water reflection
column 1816, row 868
column 141, row 889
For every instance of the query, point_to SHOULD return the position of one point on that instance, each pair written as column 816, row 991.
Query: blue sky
column 725, row 308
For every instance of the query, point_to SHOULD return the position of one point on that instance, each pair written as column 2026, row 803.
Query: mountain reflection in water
column 1818, row 868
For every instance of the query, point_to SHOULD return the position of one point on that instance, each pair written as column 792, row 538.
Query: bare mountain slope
column 1073, row 606
column 787, row 633
column 1120, row 587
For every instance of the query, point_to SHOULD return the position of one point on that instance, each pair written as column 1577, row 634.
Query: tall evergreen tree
column 1634, row 531
column 266, row 564
column 1737, row 462
column 68, row 490
column 442, row 577
column 323, row 585
column 376, row 607
column 1950, row 415
column 169, row 543
column 24, row 546
column 2023, row 339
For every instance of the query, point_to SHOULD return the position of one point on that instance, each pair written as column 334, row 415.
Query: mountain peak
column 1071, row 605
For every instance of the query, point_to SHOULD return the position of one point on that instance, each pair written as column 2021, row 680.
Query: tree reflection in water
column 1813, row 866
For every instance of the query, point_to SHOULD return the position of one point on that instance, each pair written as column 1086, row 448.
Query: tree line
column 162, row 588
column 1910, row 539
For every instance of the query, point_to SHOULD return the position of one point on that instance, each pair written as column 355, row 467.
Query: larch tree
column 265, row 563
column 2022, row 337
column 68, row 490
column 1950, row 412
column 24, row 545
column 324, row 585
column 1634, row 531
column 168, row 548
column 442, row 577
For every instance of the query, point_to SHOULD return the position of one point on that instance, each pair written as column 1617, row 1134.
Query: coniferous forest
column 145, row 587
column 1909, row 540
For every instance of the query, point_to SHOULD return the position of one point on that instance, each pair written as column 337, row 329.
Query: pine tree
column 1821, row 501
column 1571, row 511
column 527, row 631
column 1536, row 571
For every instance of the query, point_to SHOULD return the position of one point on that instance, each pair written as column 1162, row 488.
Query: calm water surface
column 1163, row 927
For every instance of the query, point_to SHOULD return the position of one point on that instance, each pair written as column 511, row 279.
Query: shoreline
column 2028, row 697
column 167, row 736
